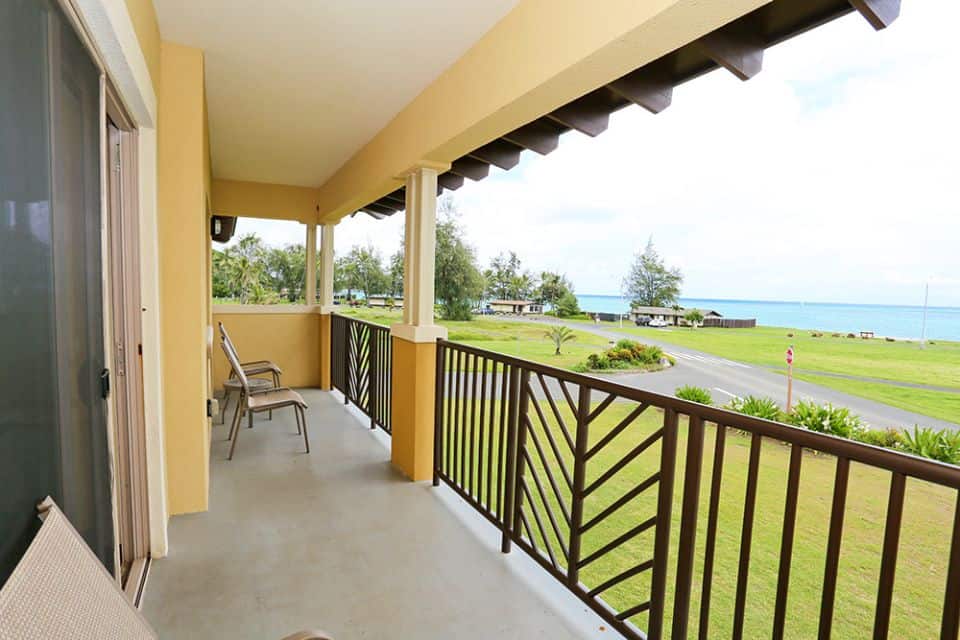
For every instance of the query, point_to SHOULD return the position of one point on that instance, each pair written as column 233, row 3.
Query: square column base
column 413, row 375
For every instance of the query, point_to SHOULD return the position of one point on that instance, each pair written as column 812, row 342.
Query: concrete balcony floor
column 336, row 540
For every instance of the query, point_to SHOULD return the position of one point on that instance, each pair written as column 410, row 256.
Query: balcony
column 338, row 540
column 616, row 509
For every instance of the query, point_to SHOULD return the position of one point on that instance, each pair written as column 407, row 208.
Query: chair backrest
column 60, row 589
column 235, row 365
column 226, row 336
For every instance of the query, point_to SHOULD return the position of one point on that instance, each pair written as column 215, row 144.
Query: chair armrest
column 308, row 635
column 270, row 390
column 253, row 362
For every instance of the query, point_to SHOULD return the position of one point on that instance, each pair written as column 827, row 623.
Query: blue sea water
column 884, row 320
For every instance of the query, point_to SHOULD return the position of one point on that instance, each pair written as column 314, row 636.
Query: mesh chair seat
column 274, row 399
column 59, row 589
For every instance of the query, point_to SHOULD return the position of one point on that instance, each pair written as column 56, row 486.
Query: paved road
column 727, row 378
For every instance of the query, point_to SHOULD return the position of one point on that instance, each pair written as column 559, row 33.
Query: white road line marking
column 708, row 360
column 732, row 395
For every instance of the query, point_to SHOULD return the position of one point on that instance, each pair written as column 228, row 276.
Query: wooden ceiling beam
column 736, row 47
column 398, row 197
column 879, row 13
column 538, row 136
column 499, row 153
column 589, row 115
column 649, row 86
column 376, row 212
column 450, row 181
column 470, row 168
column 386, row 206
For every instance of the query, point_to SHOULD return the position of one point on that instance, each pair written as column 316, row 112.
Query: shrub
column 826, row 418
column 694, row 394
column 890, row 438
column 757, row 407
column 625, row 354
column 943, row 445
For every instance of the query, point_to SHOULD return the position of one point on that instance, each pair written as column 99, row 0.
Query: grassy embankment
column 924, row 547
column 938, row 364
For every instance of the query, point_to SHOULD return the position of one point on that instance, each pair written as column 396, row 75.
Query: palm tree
column 694, row 317
column 560, row 335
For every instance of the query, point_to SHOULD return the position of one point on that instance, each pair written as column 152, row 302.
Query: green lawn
column 521, row 340
column 924, row 547
column 937, row 404
column 938, row 364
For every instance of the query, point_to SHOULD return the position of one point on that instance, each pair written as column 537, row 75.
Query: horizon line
column 859, row 304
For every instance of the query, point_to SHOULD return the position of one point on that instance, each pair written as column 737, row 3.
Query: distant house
column 385, row 302
column 668, row 314
column 517, row 307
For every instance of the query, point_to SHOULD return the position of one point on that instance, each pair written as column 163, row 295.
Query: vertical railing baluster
column 713, row 516
column 509, row 483
column 661, row 543
column 438, row 392
column 523, row 410
column 888, row 561
column 579, row 478
column 456, row 418
column 688, row 526
column 491, row 421
column 950, row 624
column 786, row 541
column 834, row 539
column 503, row 438
column 746, row 535
column 448, row 401
column 348, row 339
column 463, row 422
column 372, row 372
column 480, row 430
column 472, row 472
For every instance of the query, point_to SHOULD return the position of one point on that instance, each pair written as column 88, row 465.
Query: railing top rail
column 895, row 461
column 375, row 325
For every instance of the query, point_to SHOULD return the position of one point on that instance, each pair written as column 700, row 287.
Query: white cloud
column 830, row 176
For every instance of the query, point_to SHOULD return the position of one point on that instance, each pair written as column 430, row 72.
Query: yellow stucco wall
column 263, row 200
column 144, row 20
column 413, row 377
column 292, row 340
column 184, row 298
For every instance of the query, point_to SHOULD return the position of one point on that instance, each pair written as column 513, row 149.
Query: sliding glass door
column 53, row 431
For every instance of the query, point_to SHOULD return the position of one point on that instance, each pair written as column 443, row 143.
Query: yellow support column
column 326, row 299
column 415, row 339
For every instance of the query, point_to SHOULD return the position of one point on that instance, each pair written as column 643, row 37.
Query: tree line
column 250, row 272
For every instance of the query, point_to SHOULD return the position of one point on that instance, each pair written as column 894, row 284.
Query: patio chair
column 59, row 589
column 252, row 369
column 256, row 401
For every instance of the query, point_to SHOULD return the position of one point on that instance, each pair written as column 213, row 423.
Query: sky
column 833, row 176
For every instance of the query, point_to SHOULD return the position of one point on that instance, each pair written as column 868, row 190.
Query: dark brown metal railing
column 522, row 443
column 360, row 362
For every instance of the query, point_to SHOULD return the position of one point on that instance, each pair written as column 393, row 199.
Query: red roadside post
column 789, row 377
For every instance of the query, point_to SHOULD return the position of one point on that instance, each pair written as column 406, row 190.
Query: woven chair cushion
column 61, row 590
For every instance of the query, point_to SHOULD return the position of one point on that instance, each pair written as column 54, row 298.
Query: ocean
column 943, row 323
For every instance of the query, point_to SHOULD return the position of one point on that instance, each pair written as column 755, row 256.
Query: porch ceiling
column 295, row 88
column 737, row 47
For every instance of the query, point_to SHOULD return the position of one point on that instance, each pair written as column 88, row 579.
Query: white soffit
column 296, row 87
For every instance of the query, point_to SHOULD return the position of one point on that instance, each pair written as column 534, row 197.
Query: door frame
column 106, row 29
column 128, row 427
